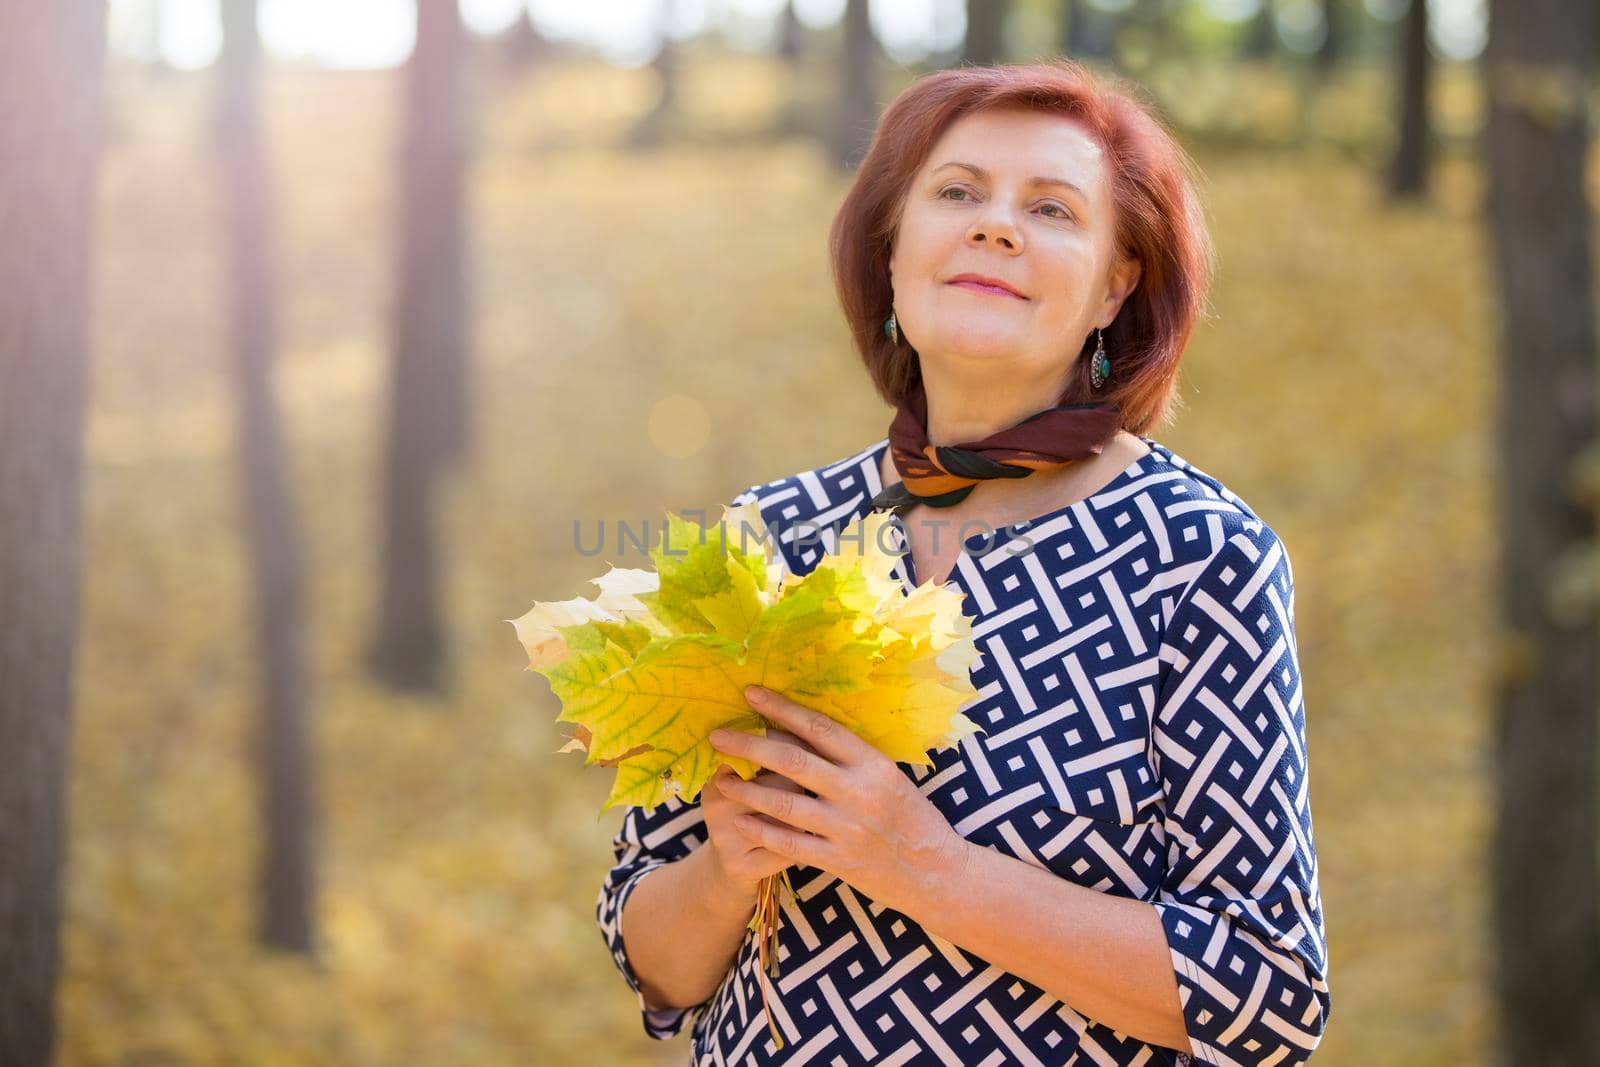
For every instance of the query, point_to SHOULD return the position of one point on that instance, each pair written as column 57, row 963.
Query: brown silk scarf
column 941, row 476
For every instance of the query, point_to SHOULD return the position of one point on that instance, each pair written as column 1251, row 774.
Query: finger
column 711, row 787
column 770, row 777
column 717, row 786
column 725, row 771
column 778, row 781
column 725, row 801
column 794, row 809
column 787, row 738
column 802, row 766
column 739, row 839
column 721, row 815
column 827, row 737
column 796, row 846
column 779, row 734
column 735, row 841
column 760, row 862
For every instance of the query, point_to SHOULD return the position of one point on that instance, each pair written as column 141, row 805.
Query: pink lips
column 980, row 284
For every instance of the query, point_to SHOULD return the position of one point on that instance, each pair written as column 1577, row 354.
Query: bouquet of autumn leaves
column 649, row 668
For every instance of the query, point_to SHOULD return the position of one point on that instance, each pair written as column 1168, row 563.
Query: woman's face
column 977, row 207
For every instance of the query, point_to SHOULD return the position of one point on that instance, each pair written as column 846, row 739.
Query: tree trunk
column 1085, row 32
column 283, row 750
column 50, row 134
column 432, row 316
column 154, row 35
column 1408, row 173
column 1157, row 21
column 984, row 44
column 651, row 129
column 1543, row 863
column 791, row 35
column 1261, row 38
column 427, row 387
column 1069, row 24
column 1332, row 48
column 791, row 46
column 522, row 46
column 857, row 115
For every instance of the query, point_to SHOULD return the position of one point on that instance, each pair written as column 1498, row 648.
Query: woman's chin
column 977, row 345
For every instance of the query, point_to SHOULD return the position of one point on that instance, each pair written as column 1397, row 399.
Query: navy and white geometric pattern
column 1145, row 736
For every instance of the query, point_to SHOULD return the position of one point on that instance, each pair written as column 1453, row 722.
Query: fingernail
column 719, row 737
column 755, row 694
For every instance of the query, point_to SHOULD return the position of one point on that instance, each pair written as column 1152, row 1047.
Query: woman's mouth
column 984, row 285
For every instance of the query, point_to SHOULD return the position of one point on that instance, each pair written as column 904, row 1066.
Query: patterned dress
column 1144, row 724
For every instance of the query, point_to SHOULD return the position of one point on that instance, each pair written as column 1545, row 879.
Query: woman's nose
column 996, row 225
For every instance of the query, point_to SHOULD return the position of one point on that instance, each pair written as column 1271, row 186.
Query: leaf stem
column 764, row 923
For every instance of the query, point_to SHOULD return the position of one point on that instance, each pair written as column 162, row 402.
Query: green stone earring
column 891, row 329
column 1100, row 364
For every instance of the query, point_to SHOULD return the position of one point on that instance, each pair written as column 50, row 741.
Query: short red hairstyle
column 1159, row 220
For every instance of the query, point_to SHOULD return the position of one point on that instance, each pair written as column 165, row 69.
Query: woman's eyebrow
column 983, row 175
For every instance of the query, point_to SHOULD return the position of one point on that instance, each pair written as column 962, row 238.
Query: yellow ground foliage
column 1343, row 388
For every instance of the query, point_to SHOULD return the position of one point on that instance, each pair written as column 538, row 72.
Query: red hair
column 1158, row 219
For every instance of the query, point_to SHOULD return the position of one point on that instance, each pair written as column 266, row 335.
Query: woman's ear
column 1125, row 275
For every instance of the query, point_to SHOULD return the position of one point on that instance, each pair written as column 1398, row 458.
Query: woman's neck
column 959, row 413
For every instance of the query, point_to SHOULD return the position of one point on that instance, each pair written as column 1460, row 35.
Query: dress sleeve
column 649, row 839
column 1239, row 902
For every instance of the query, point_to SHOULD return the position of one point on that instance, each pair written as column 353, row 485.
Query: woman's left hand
column 868, row 823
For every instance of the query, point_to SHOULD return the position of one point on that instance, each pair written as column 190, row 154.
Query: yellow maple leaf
column 661, row 659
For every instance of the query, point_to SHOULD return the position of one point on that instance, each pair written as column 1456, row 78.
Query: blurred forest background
column 383, row 298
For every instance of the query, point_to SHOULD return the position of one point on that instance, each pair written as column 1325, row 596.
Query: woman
column 1120, row 869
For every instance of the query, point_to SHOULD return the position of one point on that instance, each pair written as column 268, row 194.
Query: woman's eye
column 949, row 191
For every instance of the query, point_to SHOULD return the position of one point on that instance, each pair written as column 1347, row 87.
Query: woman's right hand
column 738, row 863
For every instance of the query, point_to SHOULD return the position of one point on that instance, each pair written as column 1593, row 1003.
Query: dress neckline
column 981, row 545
